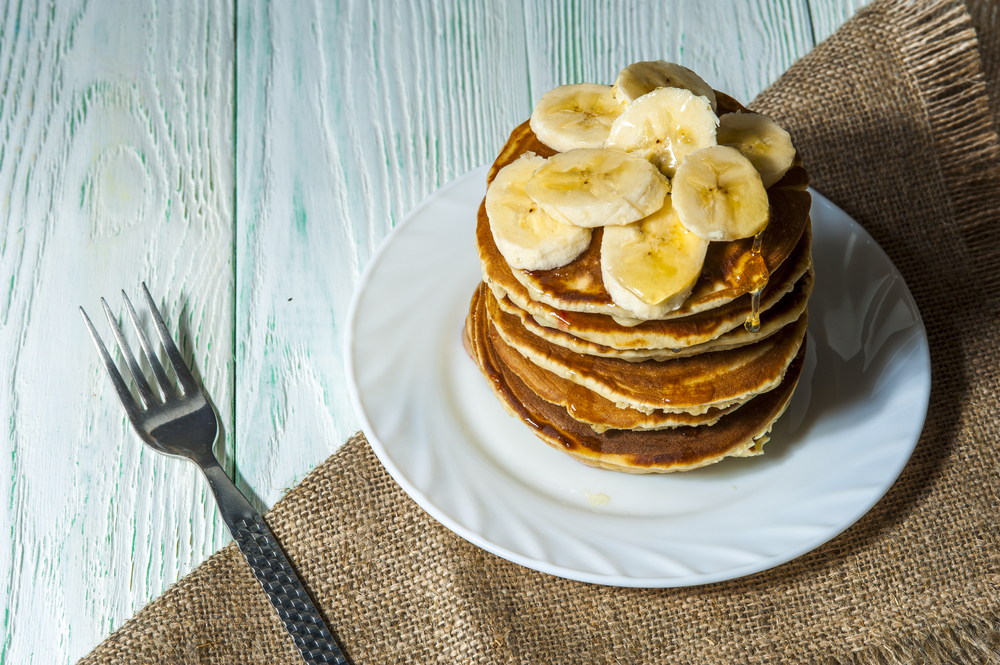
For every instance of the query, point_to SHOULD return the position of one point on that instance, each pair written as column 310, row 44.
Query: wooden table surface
column 245, row 160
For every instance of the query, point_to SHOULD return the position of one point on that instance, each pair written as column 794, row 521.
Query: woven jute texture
column 892, row 116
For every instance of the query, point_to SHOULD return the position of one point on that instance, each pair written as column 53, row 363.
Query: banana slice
column 718, row 195
column 650, row 267
column 591, row 187
column 664, row 126
column 643, row 77
column 527, row 237
column 761, row 140
column 575, row 116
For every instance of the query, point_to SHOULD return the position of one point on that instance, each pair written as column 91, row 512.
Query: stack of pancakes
column 647, row 396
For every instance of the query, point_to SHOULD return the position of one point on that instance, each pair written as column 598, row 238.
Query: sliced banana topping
column 664, row 126
column 760, row 139
column 527, row 237
column 718, row 195
column 596, row 187
column 575, row 116
column 649, row 267
column 643, row 77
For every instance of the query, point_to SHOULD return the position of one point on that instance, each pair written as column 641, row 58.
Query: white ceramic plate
column 440, row 432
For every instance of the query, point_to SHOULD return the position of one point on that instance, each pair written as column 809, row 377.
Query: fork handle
column 275, row 575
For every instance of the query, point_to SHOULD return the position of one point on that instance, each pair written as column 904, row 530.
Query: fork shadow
column 227, row 458
column 224, row 453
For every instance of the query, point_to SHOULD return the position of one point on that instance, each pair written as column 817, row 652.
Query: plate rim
column 563, row 571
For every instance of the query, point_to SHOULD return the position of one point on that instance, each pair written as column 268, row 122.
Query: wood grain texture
column 739, row 47
column 348, row 116
column 120, row 162
column 827, row 16
column 115, row 167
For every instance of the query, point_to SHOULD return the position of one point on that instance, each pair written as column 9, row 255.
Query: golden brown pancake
column 740, row 433
column 788, row 309
column 682, row 385
column 676, row 333
column 580, row 403
column 578, row 286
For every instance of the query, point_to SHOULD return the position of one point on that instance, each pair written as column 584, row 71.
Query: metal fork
column 186, row 426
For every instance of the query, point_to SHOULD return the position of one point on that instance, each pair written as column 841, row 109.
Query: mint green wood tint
column 737, row 47
column 826, row 17
column 245, row 160
column 111, row 113
column 369, row 111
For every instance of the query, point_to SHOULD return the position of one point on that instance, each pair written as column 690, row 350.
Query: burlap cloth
column 893, row 119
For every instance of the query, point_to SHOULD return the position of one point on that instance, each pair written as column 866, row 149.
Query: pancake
column 741, row 433
column 578, row 286
column 682, row 385
column 786, row 310
column 648, row 396
column 676, row 333
column 580, row 403
column 520, row 141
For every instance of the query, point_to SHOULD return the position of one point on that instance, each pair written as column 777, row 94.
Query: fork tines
column 167, row 391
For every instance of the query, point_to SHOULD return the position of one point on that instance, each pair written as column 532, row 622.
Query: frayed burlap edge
column 964, row 130
column 961, row 121
column 974, row 643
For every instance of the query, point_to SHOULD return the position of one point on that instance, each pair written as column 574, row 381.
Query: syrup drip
column 752, row 324
column 756, row 273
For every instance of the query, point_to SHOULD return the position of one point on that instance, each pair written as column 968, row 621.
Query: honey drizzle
column 759, row 279
column 752, row 324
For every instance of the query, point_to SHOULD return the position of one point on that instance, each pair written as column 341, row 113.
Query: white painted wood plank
column 828, row 15
column 115, row 167
column 348, row 116
column 738, row 46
